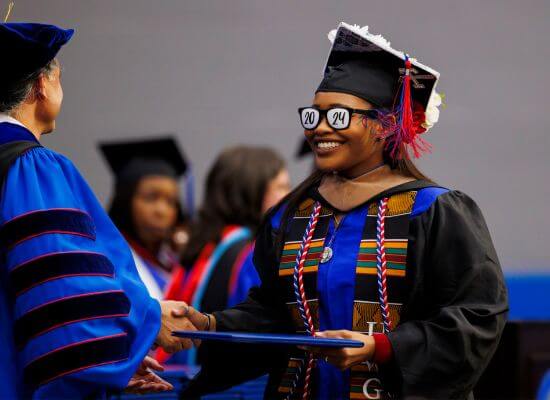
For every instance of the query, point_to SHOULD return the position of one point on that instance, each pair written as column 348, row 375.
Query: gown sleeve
column 82, row 318
column 262, row 310
column 458, row 305
column 225, row 365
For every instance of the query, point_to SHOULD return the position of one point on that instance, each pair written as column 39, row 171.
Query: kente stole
column 367, row 316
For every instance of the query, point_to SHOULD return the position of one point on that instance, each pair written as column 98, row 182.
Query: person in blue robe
column 75, row 319
column 367, row 248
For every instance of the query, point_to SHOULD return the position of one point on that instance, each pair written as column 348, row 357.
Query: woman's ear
column 375, row 129
column 38, row 91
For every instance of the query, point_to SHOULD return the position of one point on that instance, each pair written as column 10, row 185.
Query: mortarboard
column 132, row 160
column 366, row 66
column 28, row 47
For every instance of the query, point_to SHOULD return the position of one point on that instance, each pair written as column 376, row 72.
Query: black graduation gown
column 454, row 306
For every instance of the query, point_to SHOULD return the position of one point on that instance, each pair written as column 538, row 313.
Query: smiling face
column 352, row 151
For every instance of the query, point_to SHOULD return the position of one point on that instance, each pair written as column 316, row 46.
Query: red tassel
column 405, row 134
column 407, row 127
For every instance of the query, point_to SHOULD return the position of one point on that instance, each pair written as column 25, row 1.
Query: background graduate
column 75, row 319
column 242, row 184
column 368, row 248
column 146, row 205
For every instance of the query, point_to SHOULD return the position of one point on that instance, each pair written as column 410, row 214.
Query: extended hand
column 174, row 318
column 146, row 381
column 345, row 357
column 198, row 319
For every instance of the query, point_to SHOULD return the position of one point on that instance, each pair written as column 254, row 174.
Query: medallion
column 327, row 255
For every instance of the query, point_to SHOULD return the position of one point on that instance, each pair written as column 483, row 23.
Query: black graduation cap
column 28, row 47
column 366, row 66
column 131, row 160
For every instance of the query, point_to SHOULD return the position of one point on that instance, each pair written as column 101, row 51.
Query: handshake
column 178, row 316
column 175, row 316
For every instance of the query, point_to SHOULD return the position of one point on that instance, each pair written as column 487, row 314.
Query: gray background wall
column 231, row 71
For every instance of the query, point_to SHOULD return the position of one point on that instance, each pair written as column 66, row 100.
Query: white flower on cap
column 432, row 111
column 364, row 32
column 332, row 35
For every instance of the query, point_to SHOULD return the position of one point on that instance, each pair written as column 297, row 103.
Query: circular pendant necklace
column 327, row 251
column 327, row 255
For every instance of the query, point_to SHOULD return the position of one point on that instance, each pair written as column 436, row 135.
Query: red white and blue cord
column 381, row 264
column 300, row 294
column 299, row 290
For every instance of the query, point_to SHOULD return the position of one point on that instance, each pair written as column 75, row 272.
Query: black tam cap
column 28, row 47
column 364, row 65
column 132, row 160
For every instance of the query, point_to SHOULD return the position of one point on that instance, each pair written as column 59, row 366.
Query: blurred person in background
column 242, row 185
column 146, row 205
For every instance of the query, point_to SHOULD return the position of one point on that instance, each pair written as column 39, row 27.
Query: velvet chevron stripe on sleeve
column 77, row 357
column 68, row 310
column 53, row 266
column 40, row 222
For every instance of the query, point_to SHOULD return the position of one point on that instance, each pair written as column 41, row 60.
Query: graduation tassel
column 406, row 119
column 409, row 122
column 10, row 7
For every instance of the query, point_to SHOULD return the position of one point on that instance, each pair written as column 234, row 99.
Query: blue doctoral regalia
column 75, row 319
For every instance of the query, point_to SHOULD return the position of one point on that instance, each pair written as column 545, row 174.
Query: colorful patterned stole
column 367, row 311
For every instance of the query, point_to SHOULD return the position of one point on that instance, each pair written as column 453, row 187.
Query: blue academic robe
column 75, row 319
column 246, row 279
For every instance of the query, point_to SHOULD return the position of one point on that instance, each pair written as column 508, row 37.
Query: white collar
column 6, row 118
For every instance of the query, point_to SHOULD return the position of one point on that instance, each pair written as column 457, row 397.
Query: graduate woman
column 146, row 204
column 370, row 249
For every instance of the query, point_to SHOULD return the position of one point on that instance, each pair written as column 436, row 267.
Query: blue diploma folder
column 263, row 338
